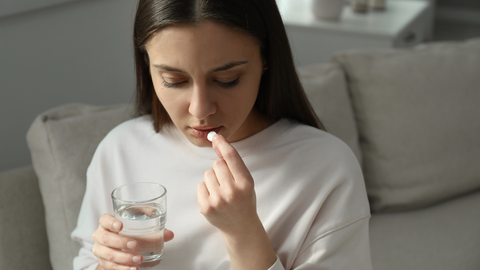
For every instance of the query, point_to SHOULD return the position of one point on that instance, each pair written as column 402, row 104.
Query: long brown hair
column 280, row 95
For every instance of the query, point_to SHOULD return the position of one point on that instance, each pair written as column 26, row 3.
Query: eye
column 229, row 84
column 171, row 85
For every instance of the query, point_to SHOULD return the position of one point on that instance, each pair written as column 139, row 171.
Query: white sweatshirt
column 311, row 196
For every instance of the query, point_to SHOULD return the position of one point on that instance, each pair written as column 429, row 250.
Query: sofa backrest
column 23, row 238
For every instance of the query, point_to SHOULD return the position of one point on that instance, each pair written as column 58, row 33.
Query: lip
column 201, row 132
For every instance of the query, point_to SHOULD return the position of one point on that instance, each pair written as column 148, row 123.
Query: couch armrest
column 23, row 241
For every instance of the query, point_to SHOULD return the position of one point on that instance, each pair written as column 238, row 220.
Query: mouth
column 201, row 132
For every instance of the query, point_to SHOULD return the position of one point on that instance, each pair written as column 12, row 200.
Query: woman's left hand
column 227, row 196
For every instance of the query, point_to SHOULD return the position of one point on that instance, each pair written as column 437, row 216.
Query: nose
column 201, row 102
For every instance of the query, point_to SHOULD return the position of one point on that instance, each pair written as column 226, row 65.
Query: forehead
column 205, row 27
column 208, row 41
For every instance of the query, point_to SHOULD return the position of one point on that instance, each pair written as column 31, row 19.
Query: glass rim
column 143, row 201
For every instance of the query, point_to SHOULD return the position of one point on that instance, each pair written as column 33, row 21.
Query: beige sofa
column 412, row 117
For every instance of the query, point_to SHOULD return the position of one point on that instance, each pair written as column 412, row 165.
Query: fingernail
column 116, row 225
column 137, row 259
column 215, row 137
column 131, row 245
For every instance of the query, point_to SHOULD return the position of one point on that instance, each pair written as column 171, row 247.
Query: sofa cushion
column 418, row 117
column 327, row 92
column 23, row 238
column 442, row 237
column 62, row 142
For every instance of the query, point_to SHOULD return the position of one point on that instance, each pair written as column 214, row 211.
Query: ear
column 265, row 66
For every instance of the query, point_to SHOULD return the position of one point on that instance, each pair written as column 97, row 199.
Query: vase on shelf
column 329, row 10
column 377, row 4
column 359, row 6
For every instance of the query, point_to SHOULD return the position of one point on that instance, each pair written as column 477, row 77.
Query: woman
column 278, row 192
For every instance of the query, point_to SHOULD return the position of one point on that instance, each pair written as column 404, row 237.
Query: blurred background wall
column 459, row 3
column 54, row 52
column 457, row 19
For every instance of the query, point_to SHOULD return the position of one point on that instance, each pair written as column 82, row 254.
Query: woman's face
column 207, row 77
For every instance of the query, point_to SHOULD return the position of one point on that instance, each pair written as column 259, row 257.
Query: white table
column 403, row 24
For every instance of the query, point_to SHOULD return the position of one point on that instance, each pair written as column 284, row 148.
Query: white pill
column 210, row 135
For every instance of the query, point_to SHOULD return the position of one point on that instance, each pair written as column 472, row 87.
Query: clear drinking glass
column 142, row 208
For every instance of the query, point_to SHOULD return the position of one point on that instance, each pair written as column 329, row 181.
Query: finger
column 113, row 240
column 110, row 265
column 202, row 191
column 110, row 223
column 168, row 235
column 116, row 259
column 211, row 181
column 234, row 162
column 222, row 172
column 202, row 197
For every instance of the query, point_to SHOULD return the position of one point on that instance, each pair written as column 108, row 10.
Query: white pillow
column 418, row 115
column 62, row 142
column 326, row 90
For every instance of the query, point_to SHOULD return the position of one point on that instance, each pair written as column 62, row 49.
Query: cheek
column 241, row 104
column 171, row 101
column 250, row 92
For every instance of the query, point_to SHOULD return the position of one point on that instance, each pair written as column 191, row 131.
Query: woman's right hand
column 108, row 245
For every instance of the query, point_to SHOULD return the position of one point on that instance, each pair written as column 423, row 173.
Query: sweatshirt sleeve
column 346, row 248
column 92, row 208
column 331, row 228
column 339, row 235
column 277, row 265
column 96, row 202
column 83, row 234
column 85, row 259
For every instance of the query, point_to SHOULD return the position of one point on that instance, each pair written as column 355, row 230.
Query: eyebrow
column 221, row 68
column 167, row 68
column 229, row 66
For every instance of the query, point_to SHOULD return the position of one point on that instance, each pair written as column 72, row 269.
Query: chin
column 199, row 142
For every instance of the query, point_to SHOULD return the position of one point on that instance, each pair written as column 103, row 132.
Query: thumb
column 168, row 235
